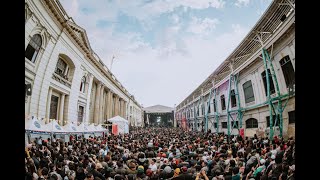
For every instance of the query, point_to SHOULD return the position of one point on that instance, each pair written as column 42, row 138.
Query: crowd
column 161, row 153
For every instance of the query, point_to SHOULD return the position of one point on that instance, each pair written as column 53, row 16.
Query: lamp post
column 174, row 116
column 112, row 62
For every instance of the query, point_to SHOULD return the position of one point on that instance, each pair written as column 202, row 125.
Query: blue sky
column 164, row 49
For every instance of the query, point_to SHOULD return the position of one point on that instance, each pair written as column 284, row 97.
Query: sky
column 164, row 49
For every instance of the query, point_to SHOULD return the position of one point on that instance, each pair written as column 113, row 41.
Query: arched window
column 252, row 123
column 83, row 84
column 62, row 68
column 33, row 48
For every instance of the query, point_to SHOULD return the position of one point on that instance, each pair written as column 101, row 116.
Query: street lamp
column 112, row 62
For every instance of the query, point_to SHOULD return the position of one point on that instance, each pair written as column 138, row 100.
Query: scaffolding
column 238, row 112
column 279, row 18
column 207, row 111
column 276, row 110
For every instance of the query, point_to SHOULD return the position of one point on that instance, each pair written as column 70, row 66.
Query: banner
column 241, row 132
column 115, row 129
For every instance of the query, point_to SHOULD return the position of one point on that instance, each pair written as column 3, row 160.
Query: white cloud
column 162, row 6
column 154, row 80
column 202, row 26
column 241, row 3
column 169, row 71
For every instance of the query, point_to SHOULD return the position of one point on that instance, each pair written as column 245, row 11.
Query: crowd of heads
column 161, row 153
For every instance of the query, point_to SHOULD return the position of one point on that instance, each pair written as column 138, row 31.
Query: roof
column 158, row 109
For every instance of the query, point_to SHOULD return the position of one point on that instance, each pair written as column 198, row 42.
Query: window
column 224, row 125
column 214, row 105
column 273, row 120
column 248, row 91
column 215, row 125
column 252, row 123
column 292, row 117
column 61, row 68
column 80, row 114
column 234, row 124
column 233, row 98
column 264, row 78
column 287, row 70
column 202, row 110
column 83, row 84
column 223, row 102
column 33, row 48
column 209, row 107
column 54, row 107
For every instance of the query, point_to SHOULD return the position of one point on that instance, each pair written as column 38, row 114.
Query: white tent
column 99, row 128
column 123, row 124
column 91, row 128
column 34, row 124
column 70, row 128
column 55, row 127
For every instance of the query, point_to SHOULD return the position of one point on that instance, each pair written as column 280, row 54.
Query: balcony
column 62, row 80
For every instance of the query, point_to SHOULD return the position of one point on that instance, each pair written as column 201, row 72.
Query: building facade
column 253, row 89
column 64, row 78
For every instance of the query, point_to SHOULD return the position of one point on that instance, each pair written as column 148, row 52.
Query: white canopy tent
column 99, row 128
column 91, row 128
column 123, row 124
column 54, row 127
column 71, row 128
column 34, row 124
column 35, row 129
column 84, row 128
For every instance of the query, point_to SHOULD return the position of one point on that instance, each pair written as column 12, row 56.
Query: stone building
column 239, row 95
column 64, row 78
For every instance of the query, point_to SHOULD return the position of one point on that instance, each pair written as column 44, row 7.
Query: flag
column 115, row 129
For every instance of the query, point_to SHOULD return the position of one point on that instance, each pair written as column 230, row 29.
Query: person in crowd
column 160, row 153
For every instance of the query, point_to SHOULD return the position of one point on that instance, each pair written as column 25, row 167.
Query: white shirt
column 153, row 167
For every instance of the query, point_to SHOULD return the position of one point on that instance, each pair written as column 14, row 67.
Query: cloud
column 168, row 81
column 241, row 3
column 169, row 70
column 202, row 26
column 156, row 8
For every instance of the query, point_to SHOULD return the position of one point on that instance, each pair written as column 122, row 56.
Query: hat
column 149, row 172
column 140, row 167
column 184, row 169
column 167, row 169
column 262, row 161
column 273, row 156
column 176, row 171
column 140, row 171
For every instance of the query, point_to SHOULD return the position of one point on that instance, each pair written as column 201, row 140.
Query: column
column 105, row 102
column 110, row 102
column 125, row 109
column 101, row 104
column 48, row 105
column 118, row 105
column 113, row 105
column 89, row 89
column 61, row 109
column 96, row 105
column 116, row 101
column 120, row 108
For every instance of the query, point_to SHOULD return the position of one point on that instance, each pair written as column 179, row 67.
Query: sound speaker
column 28, row 89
